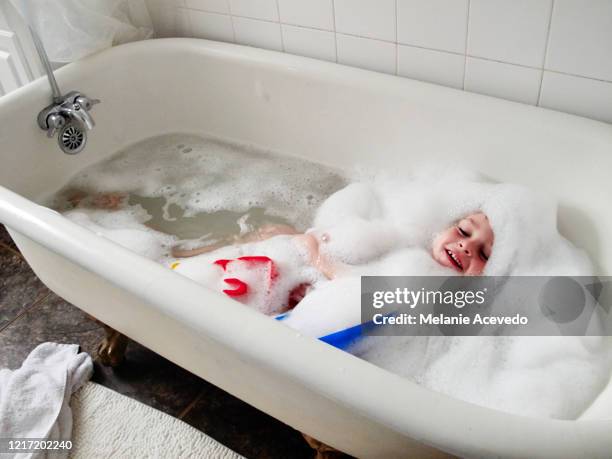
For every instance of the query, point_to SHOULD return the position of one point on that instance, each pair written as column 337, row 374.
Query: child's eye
column 484, row 256
column 462, row 232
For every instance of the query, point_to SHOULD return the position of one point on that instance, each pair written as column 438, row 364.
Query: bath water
column 194, row 191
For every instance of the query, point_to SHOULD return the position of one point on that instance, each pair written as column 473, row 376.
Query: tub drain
column 72, row 139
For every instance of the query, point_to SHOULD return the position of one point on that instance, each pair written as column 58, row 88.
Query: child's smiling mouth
column 455, row 262
column 465, row 246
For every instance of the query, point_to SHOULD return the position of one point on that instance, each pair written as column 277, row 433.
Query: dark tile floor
column 30, row 314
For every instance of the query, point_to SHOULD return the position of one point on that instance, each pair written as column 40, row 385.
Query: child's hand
column 109, row 201
column 268, row 231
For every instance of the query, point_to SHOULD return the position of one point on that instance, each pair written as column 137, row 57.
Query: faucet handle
column 55, row 121
column 86, row 102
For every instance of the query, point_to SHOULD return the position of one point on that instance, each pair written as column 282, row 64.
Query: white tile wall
column 365, row 53
column 319, row 44
column 498, row 79
column 366, row 18
column 553, row 53
column 318, row 14
column 212, row 6
column 211, row 26
column 258, row 33
column 435, row 24
column 582, row 96
column 159, row 17
column 256, row 9
column 509, row 31
column 434, row 66
column 581, row 39
column 157, row 4
column 183, row 23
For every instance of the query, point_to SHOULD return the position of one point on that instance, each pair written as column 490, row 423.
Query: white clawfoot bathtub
column 327, row 113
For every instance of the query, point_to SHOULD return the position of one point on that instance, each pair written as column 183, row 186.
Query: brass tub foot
column 323, row 451
column 111, row 351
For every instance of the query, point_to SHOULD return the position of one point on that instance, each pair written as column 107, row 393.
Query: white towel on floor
column 34, row 398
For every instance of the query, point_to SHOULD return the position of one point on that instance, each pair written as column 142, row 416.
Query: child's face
column 466, row 246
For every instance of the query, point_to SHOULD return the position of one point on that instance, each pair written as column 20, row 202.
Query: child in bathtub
column 464, row 247
column 273, row 268
column 278, row 254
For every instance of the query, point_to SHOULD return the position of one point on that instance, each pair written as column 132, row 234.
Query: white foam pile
column 379, row 226
column 386, row 226
column 125, row 227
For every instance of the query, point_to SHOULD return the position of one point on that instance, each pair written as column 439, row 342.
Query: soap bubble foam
column 385, row 226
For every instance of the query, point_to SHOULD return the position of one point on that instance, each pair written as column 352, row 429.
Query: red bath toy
column 241, row 287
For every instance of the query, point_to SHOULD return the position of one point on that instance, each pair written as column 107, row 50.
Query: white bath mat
column 108, row 424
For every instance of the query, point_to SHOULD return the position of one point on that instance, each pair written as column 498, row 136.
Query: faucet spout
column 76, row 112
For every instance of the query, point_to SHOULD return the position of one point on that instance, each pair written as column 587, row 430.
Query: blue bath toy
column 342, row 339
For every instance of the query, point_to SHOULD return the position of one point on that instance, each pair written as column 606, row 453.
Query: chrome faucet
column 80, row 110
column 68, row 115
column 74, row 106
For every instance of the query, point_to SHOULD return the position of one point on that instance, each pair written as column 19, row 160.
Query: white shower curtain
column 71, row 29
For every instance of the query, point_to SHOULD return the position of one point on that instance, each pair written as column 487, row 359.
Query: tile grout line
column 189, row 21
column 333, row 3
column 396, row 40
column 280, row 26
column 465, row 51
column 191, row 404
column 546, row 45
column 231, row 16
column 301, row 26
column 530, row 68
column 25, row 310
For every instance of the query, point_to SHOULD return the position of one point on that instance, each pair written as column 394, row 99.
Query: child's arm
column 261, row 234
column 108, row 201
column 177, row 252
column 329, row 269
column 318, row 260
